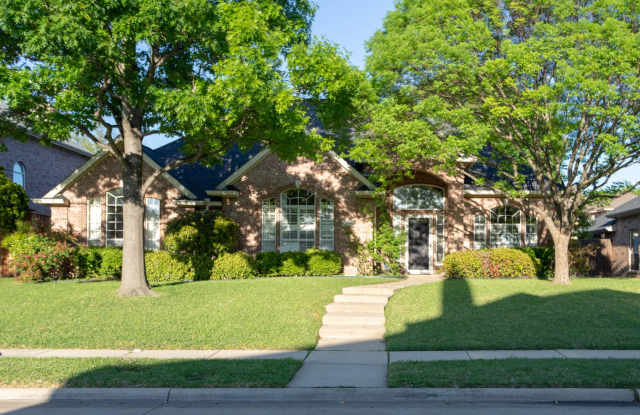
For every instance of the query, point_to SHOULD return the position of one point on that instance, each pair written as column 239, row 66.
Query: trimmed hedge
column 313, row 262
column 235, row 266
column 489, row 263
column 103, row 263
column 543, row 258
column 161, row 266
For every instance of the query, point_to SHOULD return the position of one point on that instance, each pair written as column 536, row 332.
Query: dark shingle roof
column 632, row 207
column 600, row 224
column 195, row 176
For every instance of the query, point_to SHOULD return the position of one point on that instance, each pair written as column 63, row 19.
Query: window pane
column 439, row 238
column 505, row 227
column 268, row 225
column 297, row 228
column 152, row 223
column 114, row 220
column 479, row 235
column 415, row 197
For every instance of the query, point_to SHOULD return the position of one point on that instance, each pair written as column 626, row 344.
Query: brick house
column 289, row 206
column 618, row 228
column 38, row 168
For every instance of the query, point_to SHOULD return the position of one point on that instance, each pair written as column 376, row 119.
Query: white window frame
column 441, row 248
column 21, row 177
column 152, row 223
column 327, row 216
column 94, row 227
column 269, row 225
column 531, row 231
column 114, row 199
column 297, row 221
column 418, row 197
column 432, row 235
column 479, row 232
column 504, row 231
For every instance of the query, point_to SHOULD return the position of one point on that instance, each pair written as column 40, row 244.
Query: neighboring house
column 620, row 227
column 38, row 167
column 291, row 206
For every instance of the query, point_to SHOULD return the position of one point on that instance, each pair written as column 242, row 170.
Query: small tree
column 14, row 204
column 215, row 73
column 547, row 89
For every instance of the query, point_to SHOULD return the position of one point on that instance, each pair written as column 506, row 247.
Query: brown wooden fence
column 601, row 257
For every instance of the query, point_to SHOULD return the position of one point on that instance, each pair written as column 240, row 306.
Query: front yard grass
column 592, row 313
column 510, row 373
column 145, row 373
column 274, row 313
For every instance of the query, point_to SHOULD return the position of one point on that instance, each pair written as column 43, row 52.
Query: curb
column 169, row 395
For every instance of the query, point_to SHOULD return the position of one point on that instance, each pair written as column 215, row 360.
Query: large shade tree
column 216, row 73
column 546, row 90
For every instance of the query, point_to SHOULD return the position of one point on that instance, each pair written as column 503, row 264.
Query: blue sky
column 350, row 23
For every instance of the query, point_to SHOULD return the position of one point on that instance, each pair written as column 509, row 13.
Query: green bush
column 41, row 256
column 110, row 262
column 89, row 261
column 489, row 263
column 14, row 204
column 200, row 237
column 543, row 258
column 268, row 264
column 293, row 264
column 161, row 266
column 323, row 262
column 235, row 266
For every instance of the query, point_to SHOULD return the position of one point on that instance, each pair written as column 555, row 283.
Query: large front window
column 114, row 218
column 298, row 220
column 505, row 227
column 418, row 197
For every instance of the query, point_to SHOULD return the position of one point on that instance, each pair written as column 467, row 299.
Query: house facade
column 292, row 206
column 38, row 168
column 618, row 228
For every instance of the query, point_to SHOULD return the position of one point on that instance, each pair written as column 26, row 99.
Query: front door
column 418, row 244
column 634, row 244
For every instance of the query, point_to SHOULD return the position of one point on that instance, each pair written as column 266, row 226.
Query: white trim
column 192, row 203
column 74, row 176
column 343, row 163
column 471, row 191
column 243, row 169
column 432, row 236
column 435, row 186
column 224, row 193
column 51, row 201
column 186, row 192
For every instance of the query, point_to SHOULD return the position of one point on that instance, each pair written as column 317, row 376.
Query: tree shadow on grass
column 594, row 319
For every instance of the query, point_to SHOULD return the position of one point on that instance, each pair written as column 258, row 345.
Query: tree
column 215, row 73
column 14, row 204
column 546, row 90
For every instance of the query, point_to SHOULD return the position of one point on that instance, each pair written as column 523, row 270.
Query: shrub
column 161, row 266
column 89, row 261
column 489, row 263
column 323, row 262
column 385, row 250
column 200, row 237
column 233, row 266
column 543, row 259
column 41, row 256
column 110, row 262
column 269, row 264
column 14, row 204
column 294, row 264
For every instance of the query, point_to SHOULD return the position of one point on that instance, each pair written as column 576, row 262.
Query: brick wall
column 620, row 262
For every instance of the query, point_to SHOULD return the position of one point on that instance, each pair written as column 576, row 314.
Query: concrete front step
column 351, row 345
column 355, row 332
column 368, row 290
column 353, row 298
column 355, row 308
column 354, row 319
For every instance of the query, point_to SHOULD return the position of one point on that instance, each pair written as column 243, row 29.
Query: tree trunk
column 561, row 248
column 134, row 281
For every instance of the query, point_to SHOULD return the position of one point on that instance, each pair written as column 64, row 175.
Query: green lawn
column 549, row 373
column 149, row 373
column 596, row 313
column 272, row 313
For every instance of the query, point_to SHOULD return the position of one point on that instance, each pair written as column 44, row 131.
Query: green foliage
column 89, row 261
column 323, row 263
column 110, row 262
column 14, row 204
column 489, row 263
column 543, row 258
column 315, row 262
column 200, row 237
column 161, row 267
column 38, row 257
column 233, row 266
column 385, row 250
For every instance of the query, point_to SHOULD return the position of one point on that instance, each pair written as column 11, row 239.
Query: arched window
column 19, row 173
column 298, row 220
column 114, row 218
column 505, row 227
column 418, row 197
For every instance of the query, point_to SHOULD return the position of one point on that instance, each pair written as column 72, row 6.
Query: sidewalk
column 328, row 356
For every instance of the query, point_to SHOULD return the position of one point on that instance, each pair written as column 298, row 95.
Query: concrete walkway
column 351, row 349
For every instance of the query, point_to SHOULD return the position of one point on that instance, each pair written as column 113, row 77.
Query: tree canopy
column 548, row 89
